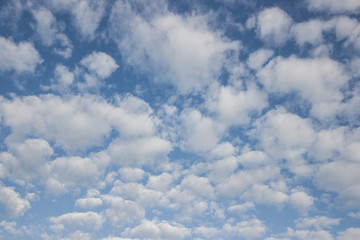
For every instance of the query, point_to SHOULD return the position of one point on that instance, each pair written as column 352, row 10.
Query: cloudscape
column 219, row 119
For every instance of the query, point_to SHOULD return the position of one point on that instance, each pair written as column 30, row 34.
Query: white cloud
column 21, row 57
column 349, row 234
column 132, row 174
column 86, row 15
column 88, row 203
column 272, row 131
column 63, row 78
column 301, row 200
column 200, row 133
column 159, row 230
column 123, row 211
column 317, row 222
column 258, row 58
column 273, row 26
column 73, row 220
column 28, row 161
column 241, row 180
column 10, row 227
column 241, row 208
column 150, row 43
column 260, row 193
column 160, row 182
column 14, row 204
column 308, row 32
column 235, row 107
column 78, row 235
column 74, row 171
column 346, row 184
column 50, row 32
column 100, row 64
column 250, row 229
column 139, row 151
column 334, row 6
column 308, row 234
column 316, row 80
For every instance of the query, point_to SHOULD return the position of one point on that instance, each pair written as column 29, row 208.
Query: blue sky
column 179, row 119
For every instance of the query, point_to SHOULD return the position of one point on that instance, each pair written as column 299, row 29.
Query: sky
column 217, row 119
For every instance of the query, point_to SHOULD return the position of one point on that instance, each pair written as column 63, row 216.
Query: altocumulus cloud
column 167, row 120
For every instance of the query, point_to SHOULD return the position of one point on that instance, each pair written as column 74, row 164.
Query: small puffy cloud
column 88, row 203
column 100, row 64
column 273, row 26
column 317, row 222
column 160, row 182
column 242, row 180
column 241, row 208
column 139, row 151
column 307, row 234
column 72, row 171
column 235, row 107
column 260, row 193
column 258, row 58
column 10, row 227
column 334, row 6
column 200, row 133
column 14, row 204
column 349, row 234
column 150, row 43
column 248, row 229
column 317, row 80
column 28, row 161
column 123, row 211
column 74, row 220
column 346, row 184
column 308, row 32
column 301, row 200
column 272, row 130
column 159, row 230
column 21, row 57
column 131, row 174
column 62, row 80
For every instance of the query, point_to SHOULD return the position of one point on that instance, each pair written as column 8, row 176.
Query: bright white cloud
column 273, row 26
column 250, row 229
column 316, row 80
column 99, row 63
column 308, row 32
column 14, row 204
column 21, row 57
column 151, row 44
column 87, row 220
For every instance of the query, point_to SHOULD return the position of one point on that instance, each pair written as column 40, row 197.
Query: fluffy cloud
column 236, row 107
column 50, row 33
column 87, row 220
column 88, row 203
column 159, row 230
column 349, row 234
column 250, row 229
column 14, row 204
column 99, row 63
column 123, row 211
column 26, row 160
column 316, row 80
column 151, row 42
column 273, row 26
column 21, row 57
column 317, row 222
